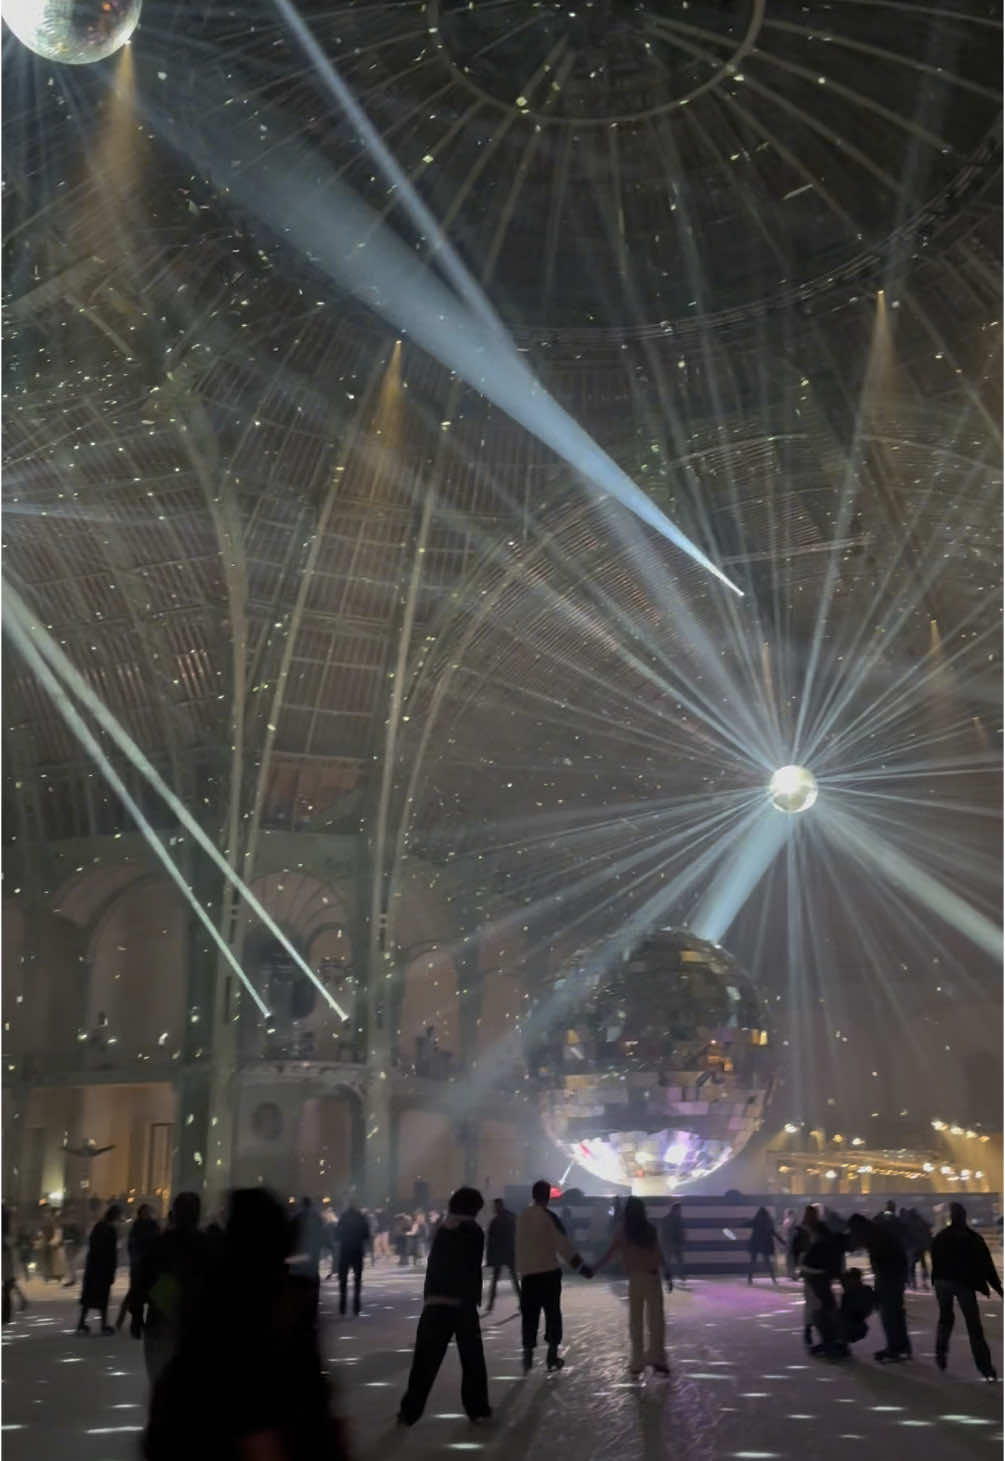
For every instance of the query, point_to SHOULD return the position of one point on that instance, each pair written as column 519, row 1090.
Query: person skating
column 790, row 1225
column 882, row 1240
column 329, row 1242
column 637, row 1245
column 246, row 1381
column 962, row 1268
column 919, row 1236
column 10, row 1280
column 353, row 1237
column 541, row 1244
column 761, row 1243
column 451, row 1295
column 99, row 1270
column 819, row 1255
column 858, row 1300
column 500, row 1250
column 170, row 1282
column 142, row 1233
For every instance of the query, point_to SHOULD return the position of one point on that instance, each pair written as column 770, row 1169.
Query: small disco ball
column 659, row 1071
column 793, row 789
column 74, row 32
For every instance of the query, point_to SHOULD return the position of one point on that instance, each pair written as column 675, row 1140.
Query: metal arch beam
column 444, row 678
column 295, row 622
column 61, row 286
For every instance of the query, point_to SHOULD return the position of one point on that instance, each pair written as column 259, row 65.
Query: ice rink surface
column 741, row 1386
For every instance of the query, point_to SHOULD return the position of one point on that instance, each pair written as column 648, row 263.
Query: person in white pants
column 636, row 1243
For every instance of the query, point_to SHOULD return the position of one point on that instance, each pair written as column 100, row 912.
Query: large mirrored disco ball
column 660, row 1071
column 74, row 32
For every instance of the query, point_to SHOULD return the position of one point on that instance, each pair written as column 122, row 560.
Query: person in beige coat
column 636, row 1243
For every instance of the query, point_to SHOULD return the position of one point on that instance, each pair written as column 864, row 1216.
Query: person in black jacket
column 761, row 1243
column 170, row 1281
column 353, row 1237
column 143, row 1231
column 452, row 1294
column 962, row 1267
column 246, row 1381
column 858, row 1300
column 500, row 1250
column 819, row 1256
column 888, row 1258
column 99, row 1270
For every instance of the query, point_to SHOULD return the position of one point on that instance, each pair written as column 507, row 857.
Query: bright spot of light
column 793, row 789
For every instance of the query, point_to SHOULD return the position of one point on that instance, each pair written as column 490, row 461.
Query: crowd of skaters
column 257, row 1271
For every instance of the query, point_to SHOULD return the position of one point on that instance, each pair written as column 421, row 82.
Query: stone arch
column 90, row 890
column 45, row 969
column 428, row 1151
column 425, row 941
column 138, row 951
column 315, row 919
column 330, row 1142
column 300, row 1136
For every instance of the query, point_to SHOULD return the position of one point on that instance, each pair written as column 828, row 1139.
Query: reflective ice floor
column 741, row 1385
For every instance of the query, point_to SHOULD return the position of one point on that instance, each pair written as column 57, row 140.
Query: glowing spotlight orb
column 656, row 1073
column 793, row 789
column 73, row 32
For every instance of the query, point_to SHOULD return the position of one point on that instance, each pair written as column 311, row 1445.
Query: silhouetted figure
column 673, row 1238
column 329, row 1241
column 99, row 1270
column 353, row 1237
column 10, row 1283
column 919, row 1242
column 308, row 1239
column 637, row 1245
column 451, row 1296
column 417, row 1235
column 142, row 1233
column 170, row 1281
column 818, row 1253
column 541, row 1242
column 245, row 1382
column 500, row 1250
column 882, row 1240
column 962, row 1268
column 73, row 1238
column 402, row 1227
column 761, row 1243
column 789, row 1227
column 858, row 1300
